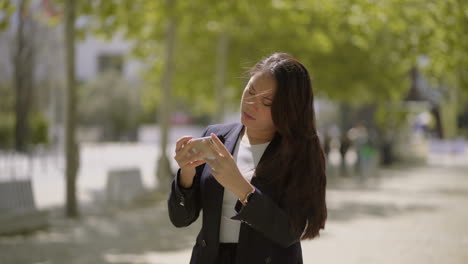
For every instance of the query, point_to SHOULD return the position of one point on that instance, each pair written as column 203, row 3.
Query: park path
column 409, row 215
column 405, row 215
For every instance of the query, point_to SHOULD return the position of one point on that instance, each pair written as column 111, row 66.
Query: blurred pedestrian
column 326, row 144
column 345, row 144
column 264, row 190
column 360, row 138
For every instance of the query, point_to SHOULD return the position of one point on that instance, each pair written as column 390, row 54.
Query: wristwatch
column 247, row 197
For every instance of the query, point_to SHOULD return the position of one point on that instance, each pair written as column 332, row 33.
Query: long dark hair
column 298, row 167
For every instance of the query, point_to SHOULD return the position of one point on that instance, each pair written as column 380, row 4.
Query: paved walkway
column 410, row 216
column 406, row 215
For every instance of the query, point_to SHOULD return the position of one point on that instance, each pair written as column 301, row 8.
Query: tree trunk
column 71, row 146
column 164, row 172
column 23, row 61
column 220, row 76
column 451, row 111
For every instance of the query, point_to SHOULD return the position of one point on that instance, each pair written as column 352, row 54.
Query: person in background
column 264, row 190
column 327, row 144
column 345, row 144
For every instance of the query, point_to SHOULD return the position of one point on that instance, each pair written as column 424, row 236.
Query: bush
column 112, row 104
column 7, row 127
column 39, row 128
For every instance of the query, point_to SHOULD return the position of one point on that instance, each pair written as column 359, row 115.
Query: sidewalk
column 407, row 215
column 410, row 216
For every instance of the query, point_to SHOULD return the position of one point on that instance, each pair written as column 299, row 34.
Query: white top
column 247, row 157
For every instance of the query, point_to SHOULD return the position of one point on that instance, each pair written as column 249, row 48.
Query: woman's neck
column 258, row 137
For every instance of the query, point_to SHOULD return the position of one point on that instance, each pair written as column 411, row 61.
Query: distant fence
column 457, row 146
column 18, row 165
column 14, row 165
column 18, row 213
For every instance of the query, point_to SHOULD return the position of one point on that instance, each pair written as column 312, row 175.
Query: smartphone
column 201, row 145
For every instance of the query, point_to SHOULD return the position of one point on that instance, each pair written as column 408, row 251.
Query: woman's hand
column 187, row 161
column 225, row 170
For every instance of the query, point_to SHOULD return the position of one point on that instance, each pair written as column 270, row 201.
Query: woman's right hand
column 187, row 161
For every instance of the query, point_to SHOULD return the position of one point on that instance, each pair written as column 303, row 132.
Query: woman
column 265, row 189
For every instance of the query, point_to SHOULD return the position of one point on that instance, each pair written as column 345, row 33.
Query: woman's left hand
column 225, row 170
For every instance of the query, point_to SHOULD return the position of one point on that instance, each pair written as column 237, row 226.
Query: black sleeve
column 184, row 204
column 264, row 215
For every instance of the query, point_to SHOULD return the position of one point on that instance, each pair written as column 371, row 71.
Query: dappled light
column 97, row 98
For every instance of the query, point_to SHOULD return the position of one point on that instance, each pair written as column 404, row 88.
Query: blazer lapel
column 214, row 196
column 231, row 137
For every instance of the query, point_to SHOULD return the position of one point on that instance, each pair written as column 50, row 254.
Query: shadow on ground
column 347, row 211
column 105, row 231
column 99, row 232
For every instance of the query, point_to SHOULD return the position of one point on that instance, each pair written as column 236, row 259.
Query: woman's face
column 256, row 103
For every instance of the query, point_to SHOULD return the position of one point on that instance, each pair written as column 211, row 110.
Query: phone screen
column 202, row 145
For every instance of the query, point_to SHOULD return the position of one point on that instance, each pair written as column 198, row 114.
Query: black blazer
column 265, row 235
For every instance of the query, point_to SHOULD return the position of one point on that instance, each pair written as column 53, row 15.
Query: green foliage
column 6, row 10
column 112, row 104
column 7, row 124
column 391, row 117
column 7, row 118
column 39, row 128
column 7, row 98
column 37, row 123
column 358, row 51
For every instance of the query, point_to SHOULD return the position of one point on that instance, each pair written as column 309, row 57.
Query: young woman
column 264, row 190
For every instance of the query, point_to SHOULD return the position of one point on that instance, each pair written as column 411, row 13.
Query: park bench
column 18, row 213
column 124, row 186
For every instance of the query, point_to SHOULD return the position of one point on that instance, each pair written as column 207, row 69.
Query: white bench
column 18, row 213
column 124, row 185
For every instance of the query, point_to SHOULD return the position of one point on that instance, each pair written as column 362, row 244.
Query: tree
column 163, row 167
column 358, row 51
column 24, row 56
column 71, row 146
column 435, row 30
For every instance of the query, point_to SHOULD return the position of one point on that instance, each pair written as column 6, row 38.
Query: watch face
column 246, row 200
column 249, row 196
